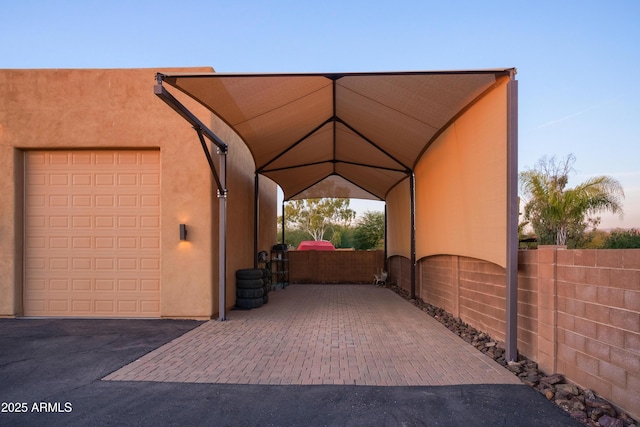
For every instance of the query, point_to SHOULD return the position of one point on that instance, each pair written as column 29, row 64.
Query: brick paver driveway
column 321, row 334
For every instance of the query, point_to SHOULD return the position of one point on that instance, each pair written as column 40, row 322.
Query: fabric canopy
column 351, row 135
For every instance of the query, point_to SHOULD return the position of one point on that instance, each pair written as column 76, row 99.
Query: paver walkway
column 321, row 334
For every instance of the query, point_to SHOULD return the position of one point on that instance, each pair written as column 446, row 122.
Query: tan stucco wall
column 93, row 109
column 268, row 234
column 460, row 189
column 461, row 183
column 240, row 211
column 399, row 220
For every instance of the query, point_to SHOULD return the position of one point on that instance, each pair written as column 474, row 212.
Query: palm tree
column 557, row 213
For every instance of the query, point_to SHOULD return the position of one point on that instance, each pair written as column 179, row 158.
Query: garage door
column 92, row 233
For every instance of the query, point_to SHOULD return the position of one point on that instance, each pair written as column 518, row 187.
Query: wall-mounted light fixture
column 183, row 231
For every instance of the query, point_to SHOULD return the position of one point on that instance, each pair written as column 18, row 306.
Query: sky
column 578, row 61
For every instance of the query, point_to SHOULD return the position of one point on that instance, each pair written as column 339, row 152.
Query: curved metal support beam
column 334, row 174
column 220, row 177
column 373, row 144
column 292, row 146
column 199, row 127
column 364, row 165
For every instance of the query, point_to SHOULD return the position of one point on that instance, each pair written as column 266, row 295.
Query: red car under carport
column 316, row 245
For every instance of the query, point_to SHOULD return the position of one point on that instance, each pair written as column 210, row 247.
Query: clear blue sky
column 578, row 61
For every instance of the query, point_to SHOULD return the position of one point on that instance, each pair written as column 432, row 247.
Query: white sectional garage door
column 92, row 233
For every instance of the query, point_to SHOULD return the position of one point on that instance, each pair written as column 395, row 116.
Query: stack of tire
column 266, row 278
column 251, row 291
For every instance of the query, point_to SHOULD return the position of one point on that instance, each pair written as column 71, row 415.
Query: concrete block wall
column 482, row 296
column 598, row 322
column 547, row 338
column 528, row 303
column 578, row 310
column 468, row 288
column 439, row 273
column 334, row 266
column 400, row 271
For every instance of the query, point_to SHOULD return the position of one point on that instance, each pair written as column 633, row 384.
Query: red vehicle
column 316, row 245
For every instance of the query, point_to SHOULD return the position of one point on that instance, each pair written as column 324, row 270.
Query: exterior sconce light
column 183, row 231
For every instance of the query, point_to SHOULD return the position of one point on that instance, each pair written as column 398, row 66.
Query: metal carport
column 364, row 135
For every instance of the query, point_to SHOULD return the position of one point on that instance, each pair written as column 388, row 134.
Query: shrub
column 623, row 239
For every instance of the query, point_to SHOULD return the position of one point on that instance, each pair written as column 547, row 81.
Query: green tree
column 369, row 233
column 292, row 236
column 319, row 218
column 558, row 214
column 623, row 239
column 594, row 239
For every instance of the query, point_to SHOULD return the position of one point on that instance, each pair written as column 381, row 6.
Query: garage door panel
column 102, row 179
column 59, row 285
column 58, row 201
column 35, row 243
column 58, row 307
column 150, row 242
column 81, row 157
column 38, row 284
column 37, row 180
column 81, row 285
column 150, row 179
column 150, row 264
column 56, row 221
column 78, row 306
column 58, row 264
column 150, row 285
column 147, row 221
column 82, row 201
column 149, row 306
column 58, row 179
column 127, row 179
column 81, row 179
column 92, row 234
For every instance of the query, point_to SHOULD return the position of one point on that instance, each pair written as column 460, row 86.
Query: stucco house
column 103, row 172
column 97, row 176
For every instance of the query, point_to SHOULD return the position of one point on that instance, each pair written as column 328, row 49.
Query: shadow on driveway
column 54, row 367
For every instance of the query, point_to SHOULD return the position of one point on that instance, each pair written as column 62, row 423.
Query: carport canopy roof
column 351, row 135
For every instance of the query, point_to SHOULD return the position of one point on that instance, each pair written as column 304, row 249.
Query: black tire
column 266, row 276
column 249, row 283
column 249, row 302
column 267, row 288
column 250, row 293
column 249, row 273
column 265, row 298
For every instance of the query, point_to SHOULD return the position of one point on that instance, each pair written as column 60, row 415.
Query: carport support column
column 386, row 251
column 283, row 224
column 222, row 238
column 256, row 218
column 412, row 195
column 511, row 333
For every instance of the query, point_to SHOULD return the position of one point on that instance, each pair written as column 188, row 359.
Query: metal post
column 222, row 239
column 385, row 238
column 256, row 218
column 511, row 333
column 283, row 222
column 412, row 194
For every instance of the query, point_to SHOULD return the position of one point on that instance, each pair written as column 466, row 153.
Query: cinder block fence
column 578, row 310
column 334, row 266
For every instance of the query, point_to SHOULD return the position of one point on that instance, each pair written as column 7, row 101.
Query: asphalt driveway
column 51, row 371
